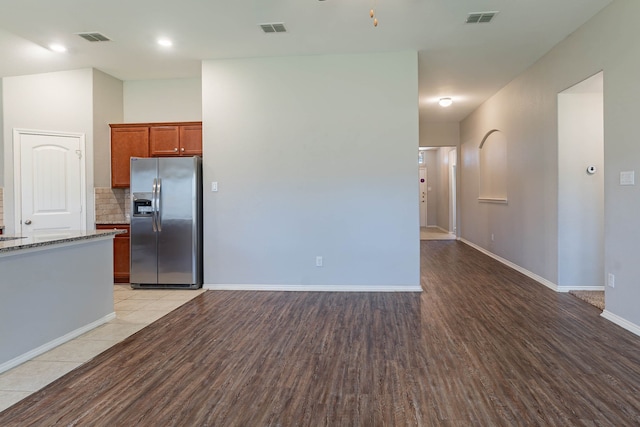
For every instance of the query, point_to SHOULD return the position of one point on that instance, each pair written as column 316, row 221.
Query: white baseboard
column 52, row 344
column 312, row 288
column 624, row 323
column 549, row 284
column 580, row 288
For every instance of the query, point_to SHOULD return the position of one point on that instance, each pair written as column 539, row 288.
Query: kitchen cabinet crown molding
column 152, row 124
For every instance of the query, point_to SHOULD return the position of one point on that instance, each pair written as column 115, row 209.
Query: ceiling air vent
column 94, row 37
column 480, row 17
column 275, row 27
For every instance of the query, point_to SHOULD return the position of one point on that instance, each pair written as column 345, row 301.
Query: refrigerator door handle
column 158, row 206
column 154, row 211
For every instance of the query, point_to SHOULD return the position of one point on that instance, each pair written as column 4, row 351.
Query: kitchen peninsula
column 53, row 288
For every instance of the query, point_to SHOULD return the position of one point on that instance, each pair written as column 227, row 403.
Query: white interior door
column 49, row 181
column 423, row 197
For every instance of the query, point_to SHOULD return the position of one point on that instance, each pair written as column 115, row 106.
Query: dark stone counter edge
column 39, row 241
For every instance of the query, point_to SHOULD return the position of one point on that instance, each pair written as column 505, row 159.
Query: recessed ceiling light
column 56, row 47
column 165, row 42
column 445, row 102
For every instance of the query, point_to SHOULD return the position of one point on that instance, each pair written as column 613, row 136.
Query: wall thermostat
column 591, row 170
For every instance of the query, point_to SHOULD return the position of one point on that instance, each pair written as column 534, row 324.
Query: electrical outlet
column 318, row 261
column 611, row 280
column 492, row 239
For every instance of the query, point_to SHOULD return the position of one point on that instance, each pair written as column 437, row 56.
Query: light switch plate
column 628, row 178
column 214, row 186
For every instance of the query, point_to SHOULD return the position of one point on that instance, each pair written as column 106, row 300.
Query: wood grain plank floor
column 482, row 345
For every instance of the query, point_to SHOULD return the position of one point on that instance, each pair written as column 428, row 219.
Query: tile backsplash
column 1, row 206
column 112, row 205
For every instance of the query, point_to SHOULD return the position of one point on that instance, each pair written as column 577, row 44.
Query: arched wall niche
column 493, row 168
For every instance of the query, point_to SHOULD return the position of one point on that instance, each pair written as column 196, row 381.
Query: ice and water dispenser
column 142, row 205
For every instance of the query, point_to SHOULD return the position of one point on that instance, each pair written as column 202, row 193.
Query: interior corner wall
column 166, row 100
column 443, row 189
column 59, row 101
column 1, row 136
column 526, row 110
column 314, row 156
column 439, row 134
column 433, row 186
column 107, row 108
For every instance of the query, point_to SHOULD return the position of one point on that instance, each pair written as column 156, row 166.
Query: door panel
column 51, row 182
column 143, row 239
column 177, row 238
column 191, row 140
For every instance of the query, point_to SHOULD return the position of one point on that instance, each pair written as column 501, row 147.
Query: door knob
column 175, row 149
column 28, row 222
column 182, row 148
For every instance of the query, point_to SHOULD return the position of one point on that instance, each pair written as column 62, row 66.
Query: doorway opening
column 581, row 186
column 437, row 193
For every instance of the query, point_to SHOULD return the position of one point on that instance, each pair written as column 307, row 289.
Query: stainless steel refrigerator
column 166, row 222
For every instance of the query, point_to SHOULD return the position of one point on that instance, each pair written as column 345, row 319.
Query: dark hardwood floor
column 482, row 346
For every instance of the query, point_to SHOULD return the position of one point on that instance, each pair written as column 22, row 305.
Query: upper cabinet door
column 191, row 140
column 164, row 140
column 126, row 142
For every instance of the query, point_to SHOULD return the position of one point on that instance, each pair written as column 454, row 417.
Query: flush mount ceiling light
column 57, row 47
column 445, row 102
column 165, row 42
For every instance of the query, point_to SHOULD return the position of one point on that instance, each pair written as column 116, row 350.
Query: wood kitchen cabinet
column 126, row 141
column 150, row 140
column 175, row 140
column 121, row 251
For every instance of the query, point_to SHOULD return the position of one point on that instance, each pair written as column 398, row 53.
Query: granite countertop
column 113, row 222
column 34, row 240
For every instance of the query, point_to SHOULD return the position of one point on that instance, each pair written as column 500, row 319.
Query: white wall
column 162, row 100
column 580, row 195
column 314, row 156
column 526, row 110
column 60, row 101
column 107, row 108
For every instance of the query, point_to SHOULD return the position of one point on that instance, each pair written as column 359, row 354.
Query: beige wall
column 314, row 156
column 439, row 134
column 165, row 100
column 444, row 193
column 526, row 230
column 107, row 108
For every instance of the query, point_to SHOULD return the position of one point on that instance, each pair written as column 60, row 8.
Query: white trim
column 52, row 344
column 516, row 267
column 580, row 288
column 17, row 184
column 312, row 288
column 629, row 326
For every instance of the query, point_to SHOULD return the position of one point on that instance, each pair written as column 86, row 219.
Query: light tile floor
column 435, row 233
column 135, row 309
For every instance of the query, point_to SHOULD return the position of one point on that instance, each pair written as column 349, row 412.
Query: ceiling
column 468, row 62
